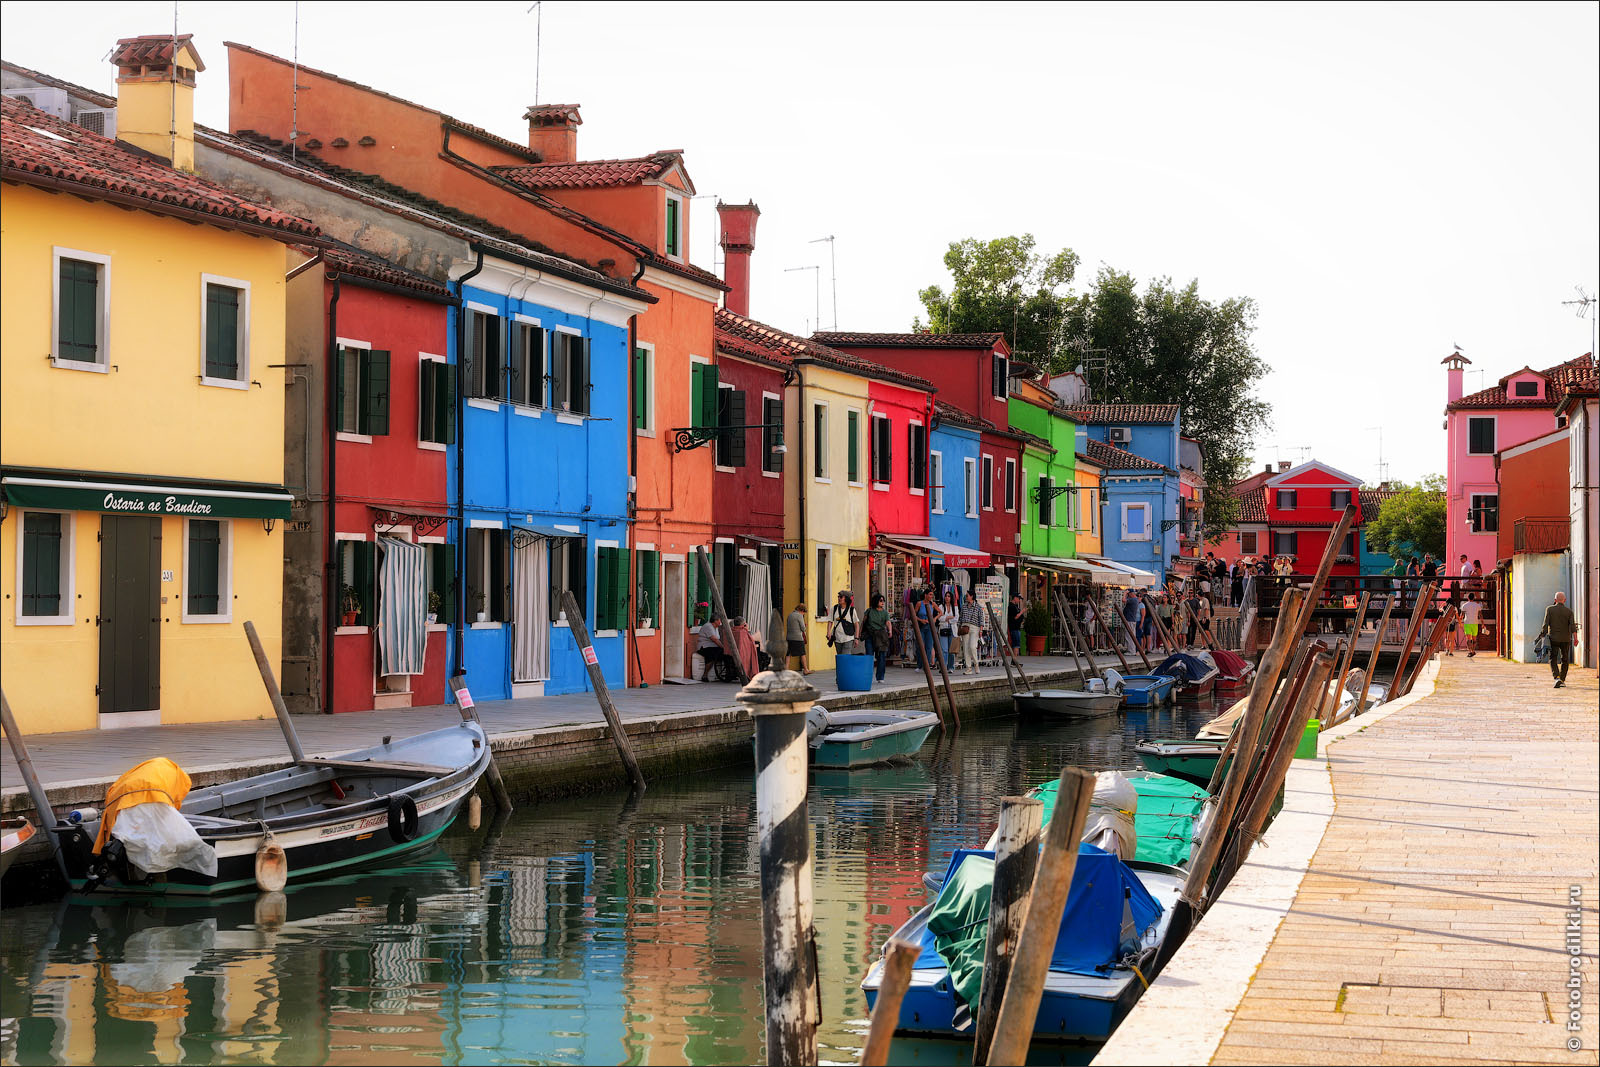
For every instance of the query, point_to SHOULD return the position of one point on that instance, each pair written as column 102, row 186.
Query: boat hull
column 1069, row 703
column 1146, row 690
column 883, row 745
column 1194, row 762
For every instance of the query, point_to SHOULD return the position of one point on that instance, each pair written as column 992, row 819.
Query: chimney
column 155, row 95
column 1455, row 361
column 738, row 223
column 1268, row 470
column 1283, row 465
column 553, row 132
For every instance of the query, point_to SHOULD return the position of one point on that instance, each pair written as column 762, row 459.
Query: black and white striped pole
column 778, row 702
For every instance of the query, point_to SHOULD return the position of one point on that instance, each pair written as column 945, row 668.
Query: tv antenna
column 1383, row 468
column 833, row 276
column 1585, row 303
column 1304, row 450
column 818, row 277
column 537, row 11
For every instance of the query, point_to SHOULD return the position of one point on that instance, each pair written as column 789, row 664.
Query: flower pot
column 350, row 618
column 483, row 616
column 1036, row 644
column 432, row 618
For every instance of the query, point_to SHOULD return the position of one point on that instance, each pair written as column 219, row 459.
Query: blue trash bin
column 854, row 673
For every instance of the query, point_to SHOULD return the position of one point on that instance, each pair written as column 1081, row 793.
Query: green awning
column 212, row 500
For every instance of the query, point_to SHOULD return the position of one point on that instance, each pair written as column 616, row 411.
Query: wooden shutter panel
column 736, row 451
column 500, row 575
column 445, row 394
column 772, row 416
column 533, row 361
column 515, row 369
column 339, row 362
column 649, row 586
column 366, row 565
column 559, row 370
column 427, row 401
column 604, row 565
column 580, row 374
column 708, row 395
column 471, row 365
column 852, row 431
column 78, row 311
column 639, row 399
column 375, row 393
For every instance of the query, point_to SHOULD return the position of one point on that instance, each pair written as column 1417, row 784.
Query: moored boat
column 844, row 739
column 1071, row 703
column 14, row 834
column 1193, row 761
column 1147, row 690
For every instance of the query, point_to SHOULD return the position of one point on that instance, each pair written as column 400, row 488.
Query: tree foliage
column 1161, row 344
column 1411, row 521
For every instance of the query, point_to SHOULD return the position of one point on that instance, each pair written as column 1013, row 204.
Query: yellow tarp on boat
column 158, row 781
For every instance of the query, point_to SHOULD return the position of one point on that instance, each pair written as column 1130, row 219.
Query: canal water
column 593, row 931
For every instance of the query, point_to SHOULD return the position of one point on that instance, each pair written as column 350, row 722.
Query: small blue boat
column 1147, row 690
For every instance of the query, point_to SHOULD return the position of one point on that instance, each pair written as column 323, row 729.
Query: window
column 819, row 440
column 82, row 308
column 525, row 360
column 358, row 581
column 986, row 490
column 771, row 434
column 569, row 373
column 1011, row 484
column 1525, row 389
column 936, row 482
column 1046, row 515
column 1285, row 544
column 224, row 324
column 647, row 586
column 489, row 575
column 730, row 412
column 1000, row 372
column 1339, row 499
column 824, row 583
column 442, row 582
column 44, row 562
column 969, row 486
column 644, row 390
column 1287, row 499
column 485, row 362
column 703, row 395
column 1136, row 522
column 1348, row 546
column 1484, row 517
column 917, row 460
column 882, row 449
column 1480, row 436
column 674, row 236
column 363, row 391
column 1247, row 543
column 852, row 447
column 569, row 570
column 436, row 402
column 611, row 588
column 208, row 571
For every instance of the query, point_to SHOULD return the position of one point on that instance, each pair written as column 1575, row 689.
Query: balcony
column 1541, row 535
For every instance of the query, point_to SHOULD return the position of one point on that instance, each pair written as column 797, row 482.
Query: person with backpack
column 878, row 628
column 844, row 623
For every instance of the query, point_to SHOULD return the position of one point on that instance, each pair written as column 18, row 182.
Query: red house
column 1300, row 507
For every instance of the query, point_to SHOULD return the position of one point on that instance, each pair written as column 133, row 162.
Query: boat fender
column 474, row 812
column 272, row 867
column 402, row 819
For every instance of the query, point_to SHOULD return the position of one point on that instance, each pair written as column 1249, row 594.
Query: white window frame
column 969, row 484
column 819, row 443
column 1277, row 499
column 224, row 576
column 1474, row 516
column 517, row 318
column 682, row 254
column 765, row 396
column 1005, row 379
column 824, row 572
column 427, row 446
column 346, row 435
column 102, row 363
column 721, row 385
column 872, row 451
column 862, row 423
column 338, row 576
column 1011, row 484
column 911, row 460
column 1467, row 430
column 566, row 416
column 649, row 405
column 1131, row 505
column 69, row 566
column 473, row 526
column 243, row 381
column 935, row 485
column 986, row 482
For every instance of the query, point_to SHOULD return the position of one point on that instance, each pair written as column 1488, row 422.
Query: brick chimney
column 738, row 224
column 155, row 95
column 553, row 132
column 1455, row 361
column 1283, row 465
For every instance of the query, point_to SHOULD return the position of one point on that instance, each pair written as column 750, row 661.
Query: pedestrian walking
column 844, row 625
column 927, row 618
column 1195, row 608
column 1014, row 616
column 1562, row 629
column 1132, row 617
column 1236, row 586
column 878, row 627
column 794, row 635
column 1470, row 610
column 969, row 624
column 947, row 624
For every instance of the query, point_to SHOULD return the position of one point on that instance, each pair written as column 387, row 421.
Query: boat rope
column 1134, row 967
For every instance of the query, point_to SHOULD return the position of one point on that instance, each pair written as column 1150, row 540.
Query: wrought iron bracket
column 685, row 438
column 422, row 525
column 1050, row 492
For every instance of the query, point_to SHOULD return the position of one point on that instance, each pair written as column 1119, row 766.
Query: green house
column 1049, row 465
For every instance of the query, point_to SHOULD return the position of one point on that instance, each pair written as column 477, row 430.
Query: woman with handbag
column 879, row 632
column 947, row 625
column 969, row 624
column 844, row 625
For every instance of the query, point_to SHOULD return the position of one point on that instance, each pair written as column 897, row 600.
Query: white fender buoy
column 474, row 812
column 272, row 868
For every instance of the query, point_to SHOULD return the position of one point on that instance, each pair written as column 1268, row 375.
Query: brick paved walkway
column 1430, row 927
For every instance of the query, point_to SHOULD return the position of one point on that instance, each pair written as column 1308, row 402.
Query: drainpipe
column 800, row 483
column 460, row 643
column 330, row 597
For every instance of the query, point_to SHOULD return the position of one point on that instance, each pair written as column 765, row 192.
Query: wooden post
column 1372, row 660
column 1094, row 610
column 1329, row 692
column 1418, row 613
column 1016, row 858
column 778, row 702
column 36, row 790
column 898, row 956
column 1063, row 613
column 1350, row 654
column 1002, row 648
column 1083, row 640
column 278, row 706
column 469, row 712
column 1004, row 640
column 619, row 736
column 944, row 672
column 1435, row 638
column 1161, row 627
column 1289, row 678
column 927, row 672
column 728, row 645
column 1282, row 711
column 1019, row 1009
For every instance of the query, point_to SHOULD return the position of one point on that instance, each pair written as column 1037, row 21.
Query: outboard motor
column 1113, row 679
column 816, row 722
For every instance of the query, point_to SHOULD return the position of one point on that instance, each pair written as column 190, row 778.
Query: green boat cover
column 1164, row 821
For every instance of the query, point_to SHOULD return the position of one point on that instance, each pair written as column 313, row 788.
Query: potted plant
column 435, row 605
column 350, row 605
column 480, row 604
column 1036, row 626
column 702, row 611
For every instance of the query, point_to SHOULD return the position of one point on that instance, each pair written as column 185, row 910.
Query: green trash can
column 1308, row 740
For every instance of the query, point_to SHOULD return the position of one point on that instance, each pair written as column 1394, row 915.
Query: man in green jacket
column 1562, row 629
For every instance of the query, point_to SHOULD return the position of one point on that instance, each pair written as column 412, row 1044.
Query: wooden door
column 130, row 613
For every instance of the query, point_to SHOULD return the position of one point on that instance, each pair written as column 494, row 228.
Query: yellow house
column 1086, row 505
column 141, row 423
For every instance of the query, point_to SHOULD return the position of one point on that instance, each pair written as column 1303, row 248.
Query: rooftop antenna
column 1585, row 303
column 833, row 275
column 294, row 91
column 1383, row 468
column 818, row 276
column 537, row 11
column 172, row 77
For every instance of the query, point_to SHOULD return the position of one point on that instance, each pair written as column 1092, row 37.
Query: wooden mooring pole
column 278, row 707
column 619, row 736
column 898, row 957
column 927, row 672
column 469, row 712
column 1004, row 640
column 1372, row 660
column 1418, row 614
column 36, row 791
column 1016, row 859
column 1111, row 638
column 778, row 702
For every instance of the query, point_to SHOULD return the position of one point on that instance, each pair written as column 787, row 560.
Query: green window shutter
column 604, row 564
column 691, row 588
column 672, row 226
column 559, row 370
column 366, row 581
column 534, row 361
column 736, row 440
column 203, row 581
column 471, row 364
column 697, row 385
column 515, row 374
column 340, row 364
column 375, row 393
column 78, row 311
column 427, row 401
column 648, row 586
column 445, row 400
column 771, row 417
column 580, row 374
column 619, row 587
column 222, row 332
column 641, row 400
column 706, row 416
column 41, row 553
column 852, row 464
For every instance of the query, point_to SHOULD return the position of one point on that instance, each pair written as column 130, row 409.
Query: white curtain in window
column 757, row 600
column 402, row 607
column 530, row 610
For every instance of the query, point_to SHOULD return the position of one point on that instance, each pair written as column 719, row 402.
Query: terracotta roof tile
column 909, row 340
column 347, row 259
column 780, row 344
column 1559, row 377
column 39, row 149
column 153, row 50
column 592, row 173
column 1101, row 414
column 1113, row 458
column 949, row 413
column 1372, row 500
column 1253, row 505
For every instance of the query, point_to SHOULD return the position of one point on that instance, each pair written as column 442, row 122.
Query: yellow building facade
column 1086, row 505
column 141, row 438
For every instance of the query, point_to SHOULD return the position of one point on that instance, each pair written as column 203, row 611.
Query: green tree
column 1411, row 521
column 1003, row 285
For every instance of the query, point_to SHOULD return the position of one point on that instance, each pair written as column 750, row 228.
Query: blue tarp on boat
column 1184, row 668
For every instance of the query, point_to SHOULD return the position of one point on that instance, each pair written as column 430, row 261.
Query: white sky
column 1386, row 181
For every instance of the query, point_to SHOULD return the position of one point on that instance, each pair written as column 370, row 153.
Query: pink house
column 1519, row 408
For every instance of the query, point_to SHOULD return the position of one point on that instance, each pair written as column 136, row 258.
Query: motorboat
column 1070, row 703
column 844, row 739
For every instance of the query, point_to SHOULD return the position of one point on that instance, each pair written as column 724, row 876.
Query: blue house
column 1142, row 503
column 953, row 477
column 541, row 479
